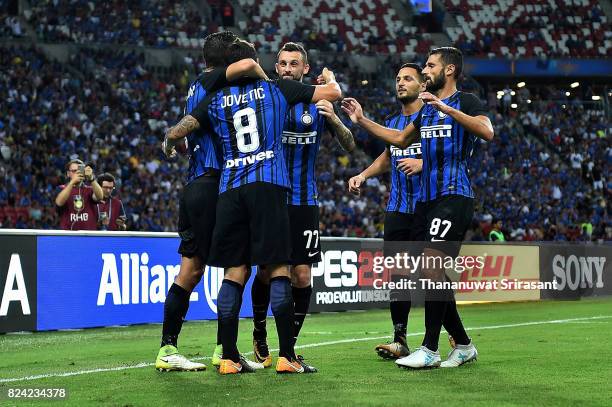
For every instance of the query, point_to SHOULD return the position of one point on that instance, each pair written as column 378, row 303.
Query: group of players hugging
column 251, row 198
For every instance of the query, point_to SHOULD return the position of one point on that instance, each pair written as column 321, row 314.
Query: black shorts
column 447, row 220
column 406, row 227
column 252, row 227
column 305, row 241
column 403, row 234
column 197, row 207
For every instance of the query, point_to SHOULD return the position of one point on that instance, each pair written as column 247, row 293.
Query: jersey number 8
column 250, row 129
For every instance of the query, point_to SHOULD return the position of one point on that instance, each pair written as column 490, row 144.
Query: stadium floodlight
column 513, row 93
column 528, row 100
column 500, row 96
column 514, row 105
column 520, row 84
column 364, row 82
column 567, row 93
column 575, row 85
column 596, row 97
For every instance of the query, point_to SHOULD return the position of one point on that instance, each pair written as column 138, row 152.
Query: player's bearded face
column 406, row 87
column 291, row 66
column 435, row 81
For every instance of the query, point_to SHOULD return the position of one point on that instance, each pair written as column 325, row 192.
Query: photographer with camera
column 76, row 201
column 111, row 214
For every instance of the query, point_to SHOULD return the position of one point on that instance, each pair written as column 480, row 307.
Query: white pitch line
column 311, row 345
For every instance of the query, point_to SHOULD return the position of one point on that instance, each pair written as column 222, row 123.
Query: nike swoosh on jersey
column 312, row 254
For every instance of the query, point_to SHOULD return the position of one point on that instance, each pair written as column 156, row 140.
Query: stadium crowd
column 542, row 174
column 158, row 23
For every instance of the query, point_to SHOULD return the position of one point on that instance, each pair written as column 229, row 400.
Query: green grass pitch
column 542, row 353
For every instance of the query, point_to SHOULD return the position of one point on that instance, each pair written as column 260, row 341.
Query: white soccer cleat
column 461, row 354
column 177, row 362
column 254, row 365
column 420, row 358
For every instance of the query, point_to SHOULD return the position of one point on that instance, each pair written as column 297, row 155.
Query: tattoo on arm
column 184, row 127
column 344, row 135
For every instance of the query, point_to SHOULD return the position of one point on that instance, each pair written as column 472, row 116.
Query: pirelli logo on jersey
column 290, row 137
column 412, row 150
column 250, row 159
column 439, row 131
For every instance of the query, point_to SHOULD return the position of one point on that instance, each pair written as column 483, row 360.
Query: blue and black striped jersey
column 404, row 189
column 446, row 148
column 304, row 127
column 204, row 153
column 248, row 119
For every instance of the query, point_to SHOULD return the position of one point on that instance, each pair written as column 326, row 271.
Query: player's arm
column 399, row 138
column 328, row 88
column 335, row 125
column 248, row 68
column 478, row 124
column 177, row 133
column 381, row 165
column 410, row 166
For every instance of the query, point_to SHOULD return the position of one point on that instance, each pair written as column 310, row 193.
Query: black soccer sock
column 282, row 308
column 228, row 306
column 175, row 309
column 453, row 324
column 301, row 299
column 399, row 305
column 239, row 307
column 399, row 317
column 435, row 309
column 260, row 295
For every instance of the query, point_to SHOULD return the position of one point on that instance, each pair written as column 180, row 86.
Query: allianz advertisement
column 69, row 281
column 101, row 281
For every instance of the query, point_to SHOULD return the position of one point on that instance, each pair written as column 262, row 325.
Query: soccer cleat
column 284, row 366
column 228, row 366
column 461, row 354
column 217, row 355
column 252, row 364
column 392, row 350
column 261, row 352
column 307, row 368
column 168, row 359
column 420, row 358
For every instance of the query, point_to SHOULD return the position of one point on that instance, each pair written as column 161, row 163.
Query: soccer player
column 448, row 125
column 304, row 126
column 198, row 201
column 252, row 225
column 76, row 202
column 400, row 222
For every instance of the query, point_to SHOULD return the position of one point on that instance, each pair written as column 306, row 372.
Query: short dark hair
column 215, row 47
column 74, row 161
column 417, row 68
column 106, row 177
column 294, row 47
column 240, row 49
column 450, row 56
